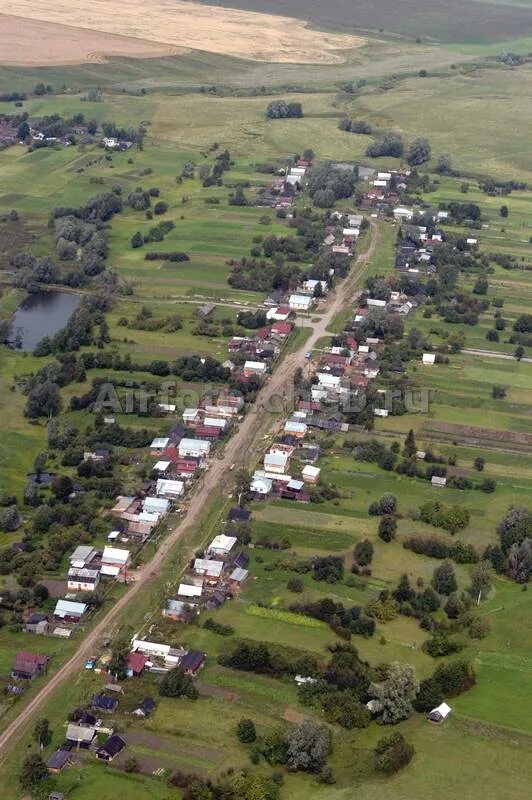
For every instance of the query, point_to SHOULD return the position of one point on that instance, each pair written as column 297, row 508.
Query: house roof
column 147, row 705
column 237, row 514
column 209, row 566
column 195, row 445
column 112, row 746
column 187, row 590
column 136, row 661
column 443, row 710
column 309, row 471
column 66, row 608
column 80, row 733
column 223, row 543
column 29, row 662
column 159, row 443
column 58, row 759
column 115, row 555
column 238, row 575
column 192, row 660
column 241, row 559
column 84, row 552
column 103, row 702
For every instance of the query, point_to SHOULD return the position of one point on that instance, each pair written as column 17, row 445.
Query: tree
column 492, row 335
column 160, row 208
column 481, row 286
column 444, row 165
column 363, row 552
column 39, row 89
column 503, row 211
column 62, row 487
column 498, row 392
column 246, row 731
column 479, row 463
column 387, row 528
column 23, row 131
column 444, row 579
column 137, row 240
column 404, row 592
column 394, row 696
column 419, row 152
column 481, row 579
column 40, row 594
column 429, row 695
column 410, row 448
column 515, row 526
column 520, row 561
column 308, row 747
column 10, row 519
column 176, row 683
column 386, row 504
column 519, row 352
column 42, row 733
column 390, row 145
column 34, row 771
column 392, row 753
column 43, row 400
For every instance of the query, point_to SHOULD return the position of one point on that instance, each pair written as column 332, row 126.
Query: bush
column 246, row 731
column 363, row 553
column 295, row 585
column 176, row 683
column 392, row 753
column 387, row 528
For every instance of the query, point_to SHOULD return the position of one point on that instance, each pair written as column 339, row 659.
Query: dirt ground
column 218, row 692
column 35, row 34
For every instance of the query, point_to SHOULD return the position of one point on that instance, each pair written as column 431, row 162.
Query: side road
column 239, row 446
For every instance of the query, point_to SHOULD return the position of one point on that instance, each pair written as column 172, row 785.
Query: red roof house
column 29, row 665
column 283, row 329
column 136, row 663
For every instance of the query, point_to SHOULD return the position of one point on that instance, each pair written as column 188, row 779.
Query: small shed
column 113, row 746
column 437, row 481
column 439, row 714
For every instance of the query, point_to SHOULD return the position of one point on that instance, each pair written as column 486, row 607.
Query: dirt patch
column 291, row 715
column 122, row 27
column 56, row 588
column 169, row 747
column 218, row 692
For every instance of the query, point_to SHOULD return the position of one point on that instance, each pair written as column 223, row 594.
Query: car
column 309, row 354
column 90, row 663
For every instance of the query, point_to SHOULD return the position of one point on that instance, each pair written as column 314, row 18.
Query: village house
column 276, row 462
column 295, row 428
column 28, row 666
column 114, row 561
column 82, row 580
column 222, row 545
column 195, row 448
column 254, row 368
column 158, row 445
column 100, row 702
column 192, row 662
column 145, row 708
column 112, row 747
column 179, row 611
column 209, row 569
column 136, row 664
column 310, row 474
column 191, row 417
column 300, row 302
column 237, row 578
column 82, row 556
column 58, row 761
column 278, row 313
column 439, row 714
column 169, row 489
column 260, row 485
column 282, row 329
column 37, row 623
column 154, row 507
column 82, row 736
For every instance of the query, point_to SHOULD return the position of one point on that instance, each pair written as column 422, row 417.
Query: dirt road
column 236, row 452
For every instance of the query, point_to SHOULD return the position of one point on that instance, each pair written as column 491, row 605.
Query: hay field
column 157, row 26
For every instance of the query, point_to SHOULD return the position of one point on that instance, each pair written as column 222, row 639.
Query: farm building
column 36, row 623
column 58, row 761
column 145, row 708
column 69, row 610
column 114, row 561
column 276, row 462
column 192, row 661
column 80, row 735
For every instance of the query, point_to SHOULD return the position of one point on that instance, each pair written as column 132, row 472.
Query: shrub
column 392, row 753
column 246, row 731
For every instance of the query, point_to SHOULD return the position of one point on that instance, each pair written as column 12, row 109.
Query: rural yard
column 265, row 369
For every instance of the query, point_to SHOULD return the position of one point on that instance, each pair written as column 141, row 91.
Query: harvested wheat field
column 157, row 27
column 32, row 43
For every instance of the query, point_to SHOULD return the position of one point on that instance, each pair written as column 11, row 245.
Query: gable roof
column 192, row 660
column 104, row 702
column 29, row 662
column 136, row 661
column 112, row 746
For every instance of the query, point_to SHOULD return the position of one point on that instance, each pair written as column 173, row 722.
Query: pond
column 40, row 314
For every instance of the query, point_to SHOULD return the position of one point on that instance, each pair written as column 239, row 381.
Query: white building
column 82, row 580
column 169, row 489
column 197, row 448
column 82, row 555
column 159, row 443
column 276, row 462
column 429, row 359
column 300, row 302
column 157, row 505
column 191, row 416
column 114, row 561
column 255, row 368
column 311, row 284
column 188, row 590
column 310, row 474
column 401, row 213
column 208, row 567
column 68, row 609
column 295, row 428
column 222, row 545
column 261, row 485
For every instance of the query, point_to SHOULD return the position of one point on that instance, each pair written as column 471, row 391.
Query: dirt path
column 492, row 354
column 236, row 452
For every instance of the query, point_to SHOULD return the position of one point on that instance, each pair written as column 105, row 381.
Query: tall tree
column 395, row 695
